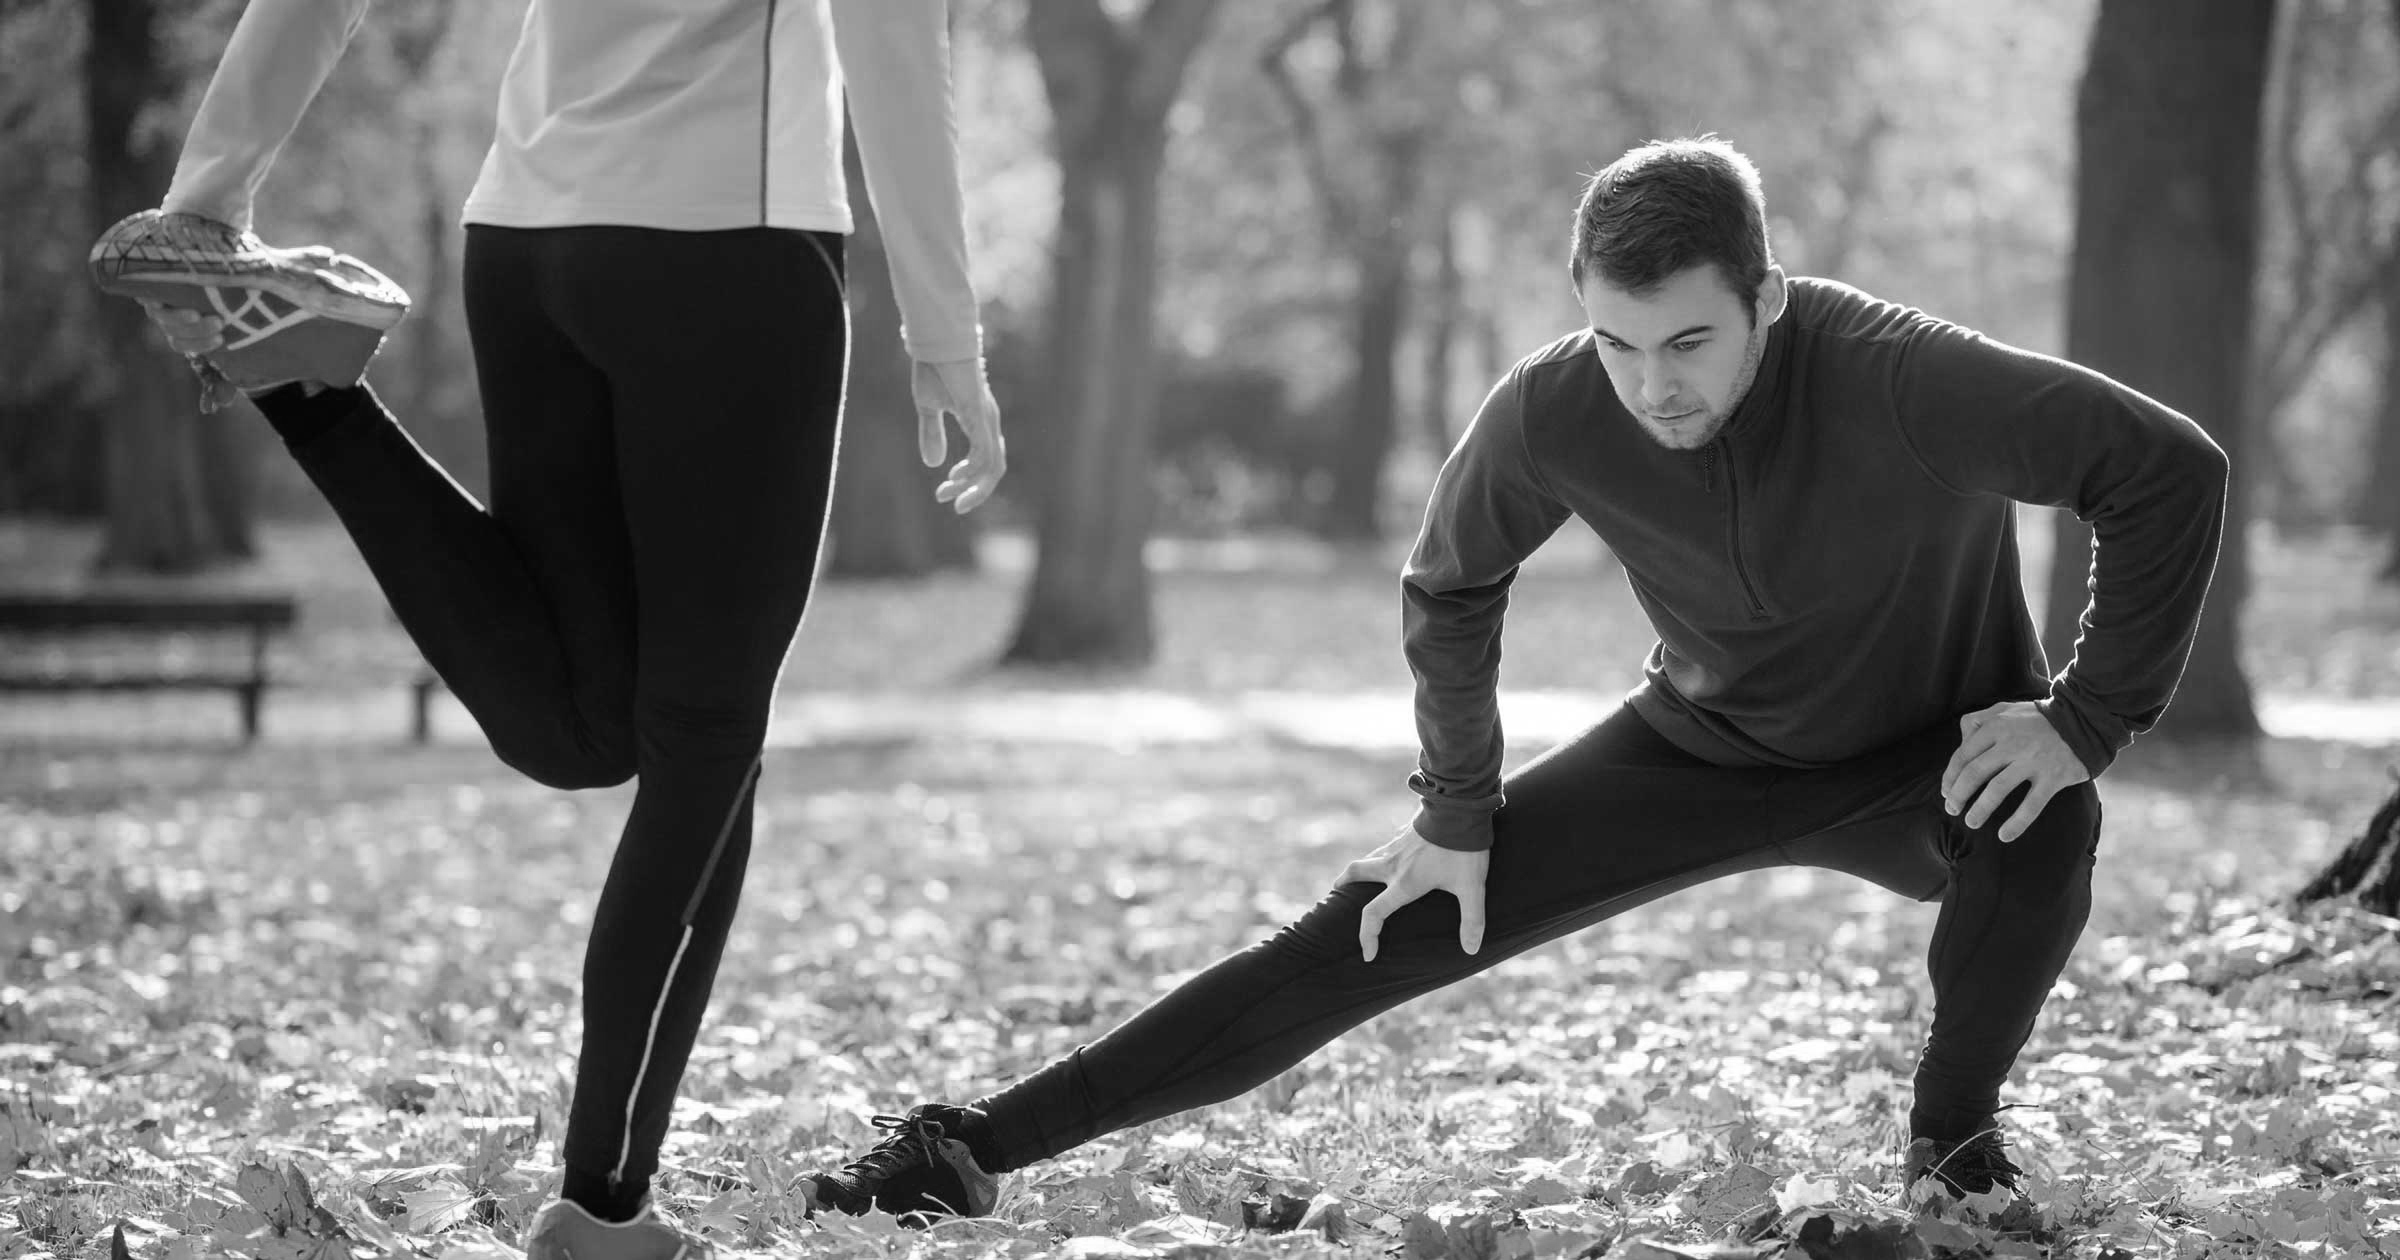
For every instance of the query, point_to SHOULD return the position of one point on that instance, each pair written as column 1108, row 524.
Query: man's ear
column 1773, row 296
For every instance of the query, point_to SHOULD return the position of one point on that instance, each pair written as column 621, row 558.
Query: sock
column 300, row 417
column 975, row 1129
column 1945, row 1125
column 592, row 1193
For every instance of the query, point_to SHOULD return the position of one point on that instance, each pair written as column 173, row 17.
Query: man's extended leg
column 1610, row 820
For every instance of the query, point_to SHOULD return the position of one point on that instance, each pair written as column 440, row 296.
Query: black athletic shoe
column 917, row 1172
column 1974, row 1166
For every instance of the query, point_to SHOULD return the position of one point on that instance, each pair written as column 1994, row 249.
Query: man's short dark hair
column 1667, row 205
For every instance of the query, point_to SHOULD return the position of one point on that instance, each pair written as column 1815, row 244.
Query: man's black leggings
column 661, row 410
column 1605, row 822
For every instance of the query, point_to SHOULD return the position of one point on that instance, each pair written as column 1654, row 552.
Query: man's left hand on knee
column 2000, row 749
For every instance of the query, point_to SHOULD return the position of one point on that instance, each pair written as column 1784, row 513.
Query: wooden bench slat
column 49, row 612
column 130, row 682
column 101, row 609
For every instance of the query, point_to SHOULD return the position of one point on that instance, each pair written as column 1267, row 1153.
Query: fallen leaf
column 438, row 1206
column 1327, row 1215
column 1799, row 1193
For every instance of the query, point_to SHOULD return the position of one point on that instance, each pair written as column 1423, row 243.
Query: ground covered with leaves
column 319, row 1000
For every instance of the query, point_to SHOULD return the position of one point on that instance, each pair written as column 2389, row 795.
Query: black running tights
column 661, row 410
column 1603, row 823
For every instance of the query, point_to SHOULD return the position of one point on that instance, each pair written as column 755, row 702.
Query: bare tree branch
column 1275, row 62
column 1171, row 31
column 1060, row 32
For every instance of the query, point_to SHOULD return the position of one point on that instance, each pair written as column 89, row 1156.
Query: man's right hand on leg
column 1410, row 866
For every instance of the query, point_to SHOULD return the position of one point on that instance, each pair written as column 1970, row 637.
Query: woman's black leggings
column 1605, row 822
column 661, row 410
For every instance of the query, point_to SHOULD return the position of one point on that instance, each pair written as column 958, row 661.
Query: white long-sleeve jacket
column 678, row 114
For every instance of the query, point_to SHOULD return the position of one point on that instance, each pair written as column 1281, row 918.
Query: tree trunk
column 2167, row 132
column 1110, row 89
column 885, row 522
column 1365, row 443
column 1441, row 333
column 427, row 366
column 174, row 489
column 1364, row 152
column 2369, row 867
column 2383, row 484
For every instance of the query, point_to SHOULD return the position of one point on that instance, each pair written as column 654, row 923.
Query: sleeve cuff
column 2095, row 753
column 1467, row 830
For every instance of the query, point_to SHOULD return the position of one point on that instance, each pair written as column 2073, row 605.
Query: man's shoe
column 1974, row 1166
column 290, row 314
column 564, row 1231
column 920, row 1171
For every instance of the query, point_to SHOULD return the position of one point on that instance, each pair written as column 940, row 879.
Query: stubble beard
column 1694, row 433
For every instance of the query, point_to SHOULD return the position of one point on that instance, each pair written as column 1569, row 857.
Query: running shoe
column 917, row 1172
column 290, row 314
column 564, row 1231
column 1973, row 1166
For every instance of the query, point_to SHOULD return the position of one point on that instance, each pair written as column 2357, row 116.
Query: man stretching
column 1811, row 491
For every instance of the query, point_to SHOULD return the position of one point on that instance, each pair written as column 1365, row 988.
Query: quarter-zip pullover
column 1838, row 568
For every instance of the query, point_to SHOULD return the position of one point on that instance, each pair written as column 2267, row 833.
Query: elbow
column 2211, row 468
column 2197, row 462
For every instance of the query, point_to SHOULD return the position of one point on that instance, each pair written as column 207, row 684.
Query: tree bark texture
column 173, row 483
column 2383, row 485
column 2368, row 867
column 1364, row 149
column 1110, row 85
column 2159, row 295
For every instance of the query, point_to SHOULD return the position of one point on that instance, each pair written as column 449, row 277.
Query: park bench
column 53, row 614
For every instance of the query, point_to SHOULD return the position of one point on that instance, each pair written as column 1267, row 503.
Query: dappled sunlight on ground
column 337, row 949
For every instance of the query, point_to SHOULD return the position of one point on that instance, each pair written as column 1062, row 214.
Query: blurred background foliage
column 1362, row 216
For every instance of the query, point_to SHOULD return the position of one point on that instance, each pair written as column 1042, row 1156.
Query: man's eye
column 1688, row 346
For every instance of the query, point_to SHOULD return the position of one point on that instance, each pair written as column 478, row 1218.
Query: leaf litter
column 294, row 1006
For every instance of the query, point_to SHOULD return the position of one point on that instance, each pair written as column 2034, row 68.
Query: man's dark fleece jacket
column 1837, row 569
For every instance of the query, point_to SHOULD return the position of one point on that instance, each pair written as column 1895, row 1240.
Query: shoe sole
column 331, row 327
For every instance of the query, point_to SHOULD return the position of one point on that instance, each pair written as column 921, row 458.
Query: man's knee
column 2055, row 852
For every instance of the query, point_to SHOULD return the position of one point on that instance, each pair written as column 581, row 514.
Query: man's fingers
column 1995, row 790
column 1976, row 742
column 2037, row 799
column 1973, row 773
column 1370, row 921
column 1470, row 921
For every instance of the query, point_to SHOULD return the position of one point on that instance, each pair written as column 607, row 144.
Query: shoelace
column 909, row 1140
column 1978, row 1156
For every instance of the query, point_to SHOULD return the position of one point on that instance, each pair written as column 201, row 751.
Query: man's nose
column 1658, row 386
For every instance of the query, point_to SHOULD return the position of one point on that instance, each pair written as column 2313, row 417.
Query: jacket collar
column 1767, row 389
